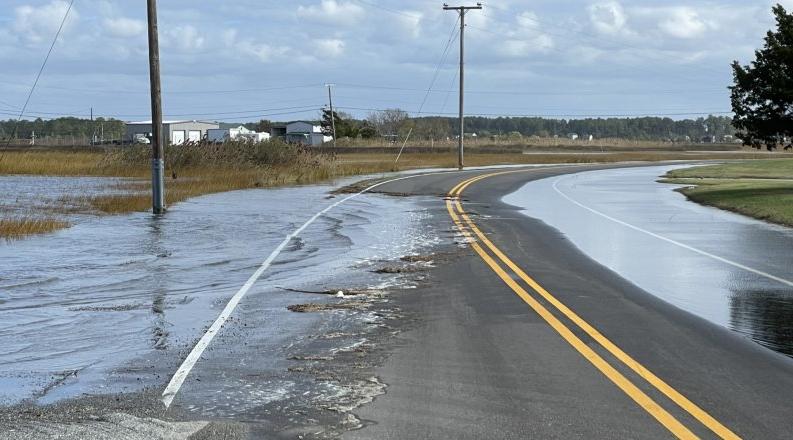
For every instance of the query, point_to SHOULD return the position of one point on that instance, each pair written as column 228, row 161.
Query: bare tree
column 388, row 122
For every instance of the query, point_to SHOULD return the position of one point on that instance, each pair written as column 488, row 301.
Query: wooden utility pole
column 157, row 159
column 332, row 115
column 462, row 10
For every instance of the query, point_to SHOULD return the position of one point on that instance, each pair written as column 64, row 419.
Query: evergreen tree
column 762, row 97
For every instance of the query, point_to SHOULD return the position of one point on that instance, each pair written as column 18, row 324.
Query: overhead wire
column 580, row 115
column 41, row 70
column 452, row 37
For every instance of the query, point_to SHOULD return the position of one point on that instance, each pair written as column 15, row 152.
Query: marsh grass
column 16, row 228
column 197, row 169
column 760, row 189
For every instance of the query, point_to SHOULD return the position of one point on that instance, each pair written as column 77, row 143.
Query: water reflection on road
column 742, row 300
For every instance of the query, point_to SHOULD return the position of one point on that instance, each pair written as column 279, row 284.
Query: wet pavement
column 111, row 294
column 644, row 231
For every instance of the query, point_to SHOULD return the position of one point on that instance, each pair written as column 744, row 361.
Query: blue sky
column 245, row 60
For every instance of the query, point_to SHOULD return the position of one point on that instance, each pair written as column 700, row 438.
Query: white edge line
column 187, row 365
column 669, row 240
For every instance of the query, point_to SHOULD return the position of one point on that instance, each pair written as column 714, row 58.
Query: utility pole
column 332, row 116
column 462, row 10
column 157, row 160
column 93, row 129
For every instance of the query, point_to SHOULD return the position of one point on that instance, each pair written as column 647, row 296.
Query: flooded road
column 113, row 289
column 726, row 268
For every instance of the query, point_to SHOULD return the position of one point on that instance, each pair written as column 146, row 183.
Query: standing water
column 76, row 304
column 644, row 231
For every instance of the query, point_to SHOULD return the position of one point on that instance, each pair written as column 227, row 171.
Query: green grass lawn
column 761, row 189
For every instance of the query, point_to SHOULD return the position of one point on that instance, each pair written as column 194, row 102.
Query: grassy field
column 198, row 170
column 761, row 189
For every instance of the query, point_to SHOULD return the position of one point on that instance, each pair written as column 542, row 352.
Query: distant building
column 174, row 132
column 572, row 136
column 278, row 131
column 219, row 135
column 306, row 133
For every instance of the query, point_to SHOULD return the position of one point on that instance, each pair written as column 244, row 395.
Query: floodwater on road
column 727, row 268
column 78, row 304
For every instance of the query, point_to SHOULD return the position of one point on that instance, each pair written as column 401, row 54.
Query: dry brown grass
column 63, row 163
column 533, row 142
column 203, row 170
column 20, row 227
column 382, row 161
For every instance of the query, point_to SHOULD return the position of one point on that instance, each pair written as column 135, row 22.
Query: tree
column 367, row 130
column 388, row 122
column 263, row 126
column 345, row 125
column 762, row 97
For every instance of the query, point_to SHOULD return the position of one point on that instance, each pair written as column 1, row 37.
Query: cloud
column 329, row 48
column 260, row 51
column 36, row 24
column 411, row 23
column 332, row 12
column 608, row 18
column 683, row 22
column 185, row 38
column 124, row 27
column 527, row 38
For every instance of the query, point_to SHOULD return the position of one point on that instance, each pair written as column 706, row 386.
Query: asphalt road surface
column 515, row 333
column 525, row 337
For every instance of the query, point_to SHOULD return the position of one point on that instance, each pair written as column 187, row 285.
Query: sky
column 246, row 60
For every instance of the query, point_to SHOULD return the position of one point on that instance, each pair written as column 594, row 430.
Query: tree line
column 62, row 127
column 397, row 123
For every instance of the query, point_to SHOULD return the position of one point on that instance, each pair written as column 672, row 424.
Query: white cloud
column 608, row 18
column 124, row 27
column 37, row 24
column 332, row 12
column 260, row 51
column 329, row 48
column 184, row 38
column 522, row 48
column 683, row 22
column 411, row 23
column 527, row 38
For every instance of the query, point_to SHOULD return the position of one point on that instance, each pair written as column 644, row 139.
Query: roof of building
column 170, row 122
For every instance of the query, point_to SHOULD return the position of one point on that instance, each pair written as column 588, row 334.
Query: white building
column 240, row 133
column 174, row 132
column 306, row 133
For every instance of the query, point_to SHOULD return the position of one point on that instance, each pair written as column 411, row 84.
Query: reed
column 19, row 227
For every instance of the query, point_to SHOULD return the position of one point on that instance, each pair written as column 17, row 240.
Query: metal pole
column 461, row 144
column 332, row 116
column 157, row 160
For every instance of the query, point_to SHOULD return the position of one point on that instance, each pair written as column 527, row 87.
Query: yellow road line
column 651, row 378
column 642, row 399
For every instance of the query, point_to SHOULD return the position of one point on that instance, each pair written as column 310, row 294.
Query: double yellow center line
column 502, row 265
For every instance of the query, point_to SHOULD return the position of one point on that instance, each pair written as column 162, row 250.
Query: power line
column 602, row 115
column 393, row 11
column 41, row 70
column 534, row 93
column 174, row 92
column 441, row 61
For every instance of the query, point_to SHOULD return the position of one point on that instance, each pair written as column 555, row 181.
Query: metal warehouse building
column 174, row 132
